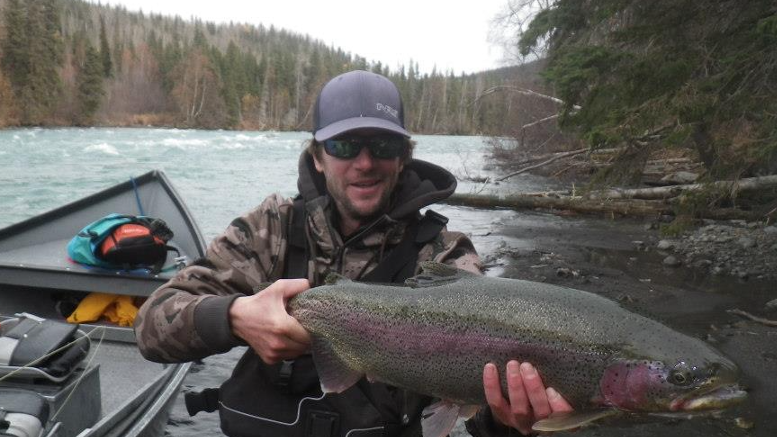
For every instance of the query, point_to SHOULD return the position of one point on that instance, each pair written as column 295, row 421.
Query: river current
column 220, row 174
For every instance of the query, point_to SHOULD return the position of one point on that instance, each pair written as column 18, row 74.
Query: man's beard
column 346, row 208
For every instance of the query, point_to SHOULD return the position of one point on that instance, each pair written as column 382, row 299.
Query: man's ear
column 319, row 166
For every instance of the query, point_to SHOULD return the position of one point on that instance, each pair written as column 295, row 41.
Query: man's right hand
column 264, row 323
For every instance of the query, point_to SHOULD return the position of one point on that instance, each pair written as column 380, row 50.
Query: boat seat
column 23, row 413
column 38, row 343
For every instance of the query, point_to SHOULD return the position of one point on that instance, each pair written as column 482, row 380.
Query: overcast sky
column 447, row 33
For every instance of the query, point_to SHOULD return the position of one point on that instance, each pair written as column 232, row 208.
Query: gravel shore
column 736, row 248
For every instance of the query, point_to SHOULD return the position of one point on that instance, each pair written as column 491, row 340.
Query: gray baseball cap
column 358, row 100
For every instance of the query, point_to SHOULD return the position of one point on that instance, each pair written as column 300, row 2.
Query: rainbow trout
column 435, row 335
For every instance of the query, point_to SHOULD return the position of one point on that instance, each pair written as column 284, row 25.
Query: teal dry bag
column 103, row 244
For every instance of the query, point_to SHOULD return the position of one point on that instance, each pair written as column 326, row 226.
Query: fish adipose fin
column 571, row 420
column 434, row 274
column 333, row 372
column 438, row 419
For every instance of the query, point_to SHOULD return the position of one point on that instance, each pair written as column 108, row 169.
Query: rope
column 137, row 195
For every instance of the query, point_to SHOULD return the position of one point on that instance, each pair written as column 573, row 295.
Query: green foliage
column 32, row 57
column 105, row 51
column 703, row 74
column 90, row 87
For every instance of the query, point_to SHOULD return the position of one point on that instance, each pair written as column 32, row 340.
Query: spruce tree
column 90, row 86
column 42, row 85
column 105, row 51
column 15, row 60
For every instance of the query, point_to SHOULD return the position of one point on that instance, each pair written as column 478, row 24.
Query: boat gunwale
column 112, row 191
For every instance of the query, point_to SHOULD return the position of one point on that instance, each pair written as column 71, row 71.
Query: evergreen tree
column 15, row 60
column 105, row 51
column 90, row 86
column 43, row 84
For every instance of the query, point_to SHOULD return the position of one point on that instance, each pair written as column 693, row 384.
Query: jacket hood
column 420, row 184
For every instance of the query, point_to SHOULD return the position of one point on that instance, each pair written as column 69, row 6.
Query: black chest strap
column 296, row 265
column 400, row 263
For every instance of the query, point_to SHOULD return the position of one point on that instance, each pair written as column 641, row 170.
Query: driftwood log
column 734, row 187
column 579, row 204
column 633, row 207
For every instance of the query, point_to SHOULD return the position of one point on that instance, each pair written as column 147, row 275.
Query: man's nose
column 364, row 159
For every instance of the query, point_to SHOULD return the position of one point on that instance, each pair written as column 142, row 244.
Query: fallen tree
column 556, row 201
column 633, row 207
column 733, row 187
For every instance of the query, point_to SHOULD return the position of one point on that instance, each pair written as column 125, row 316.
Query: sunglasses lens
column 342, row 148
column 381, row 147
column 387, row 147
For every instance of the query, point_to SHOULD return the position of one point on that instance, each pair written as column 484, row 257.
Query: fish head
column 678, row 386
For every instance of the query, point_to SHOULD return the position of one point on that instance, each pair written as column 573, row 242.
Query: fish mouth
column 714, row 399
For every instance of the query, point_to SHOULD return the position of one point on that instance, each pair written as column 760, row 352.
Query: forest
column 69, row 62
column 697, row 78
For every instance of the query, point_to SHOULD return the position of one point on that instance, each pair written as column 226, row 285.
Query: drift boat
column 87, row 380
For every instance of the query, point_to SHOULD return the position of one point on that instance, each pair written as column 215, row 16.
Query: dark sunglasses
column 380, row 146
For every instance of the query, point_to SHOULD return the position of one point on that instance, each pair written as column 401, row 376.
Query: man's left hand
column 529, row 400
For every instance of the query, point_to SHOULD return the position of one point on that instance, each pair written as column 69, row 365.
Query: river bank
column 621, row 260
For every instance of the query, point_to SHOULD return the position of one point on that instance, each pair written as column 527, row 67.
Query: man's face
column 361, row 187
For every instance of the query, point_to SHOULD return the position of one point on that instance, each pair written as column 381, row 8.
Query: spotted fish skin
column 436, row 336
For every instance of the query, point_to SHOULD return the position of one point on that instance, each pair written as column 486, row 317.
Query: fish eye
column 680, row 377
column 681, row 374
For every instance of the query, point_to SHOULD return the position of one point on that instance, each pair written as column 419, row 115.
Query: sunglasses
column 380, row 146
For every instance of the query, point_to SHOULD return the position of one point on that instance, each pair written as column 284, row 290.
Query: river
column 220, row 174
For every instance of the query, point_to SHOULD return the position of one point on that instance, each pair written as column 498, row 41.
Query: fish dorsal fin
column 333, row 278
column 571, row 420
column 334, row 373
column 434, row 274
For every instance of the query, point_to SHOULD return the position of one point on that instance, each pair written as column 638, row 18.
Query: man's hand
column 264, row 323
column 529, row 400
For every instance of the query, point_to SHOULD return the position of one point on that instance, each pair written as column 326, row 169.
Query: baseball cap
column 358, row 100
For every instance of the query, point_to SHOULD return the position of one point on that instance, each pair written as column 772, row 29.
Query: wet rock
column 771, row 305
column 665, row 245
column 672, row 261
column 650, row 226
column 666, row 218
column 771, row 230
column 718, row 271
column 563, row 272
column 744, row 423
column 702, row 263
column 746, row 242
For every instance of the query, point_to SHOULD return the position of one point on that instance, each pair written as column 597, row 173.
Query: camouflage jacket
column 187, row 318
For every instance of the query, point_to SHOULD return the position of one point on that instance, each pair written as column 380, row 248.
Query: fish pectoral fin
column 469, row 411
column 334, row 374
column 571, row 420
column 439, row 418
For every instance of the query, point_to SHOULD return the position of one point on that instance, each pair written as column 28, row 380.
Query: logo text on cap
column 387, row 109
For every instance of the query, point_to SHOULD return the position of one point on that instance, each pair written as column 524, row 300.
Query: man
column 358, row 215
